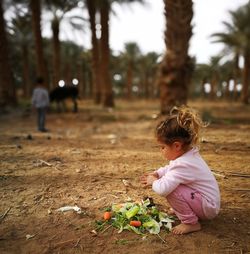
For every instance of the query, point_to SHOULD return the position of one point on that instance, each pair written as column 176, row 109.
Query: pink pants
column 187, row 204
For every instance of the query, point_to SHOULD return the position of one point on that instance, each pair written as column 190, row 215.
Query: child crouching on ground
column 187, row 182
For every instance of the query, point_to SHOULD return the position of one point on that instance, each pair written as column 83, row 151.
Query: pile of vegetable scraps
column 140, row 218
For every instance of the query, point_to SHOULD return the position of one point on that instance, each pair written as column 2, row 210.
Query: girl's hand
column 149, row 178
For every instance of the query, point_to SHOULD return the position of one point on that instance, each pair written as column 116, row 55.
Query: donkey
column 59, row 94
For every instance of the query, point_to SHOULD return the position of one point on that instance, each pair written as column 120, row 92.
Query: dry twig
column 161, row 238
column 45, row 162
column 219, row 174
column 239, row 174
column 4, row 215
column 77, row 242
column 106, row 228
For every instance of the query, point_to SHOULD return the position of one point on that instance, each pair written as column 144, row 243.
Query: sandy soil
column 83, row 160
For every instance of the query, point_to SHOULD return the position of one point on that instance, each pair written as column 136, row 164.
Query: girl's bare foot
column 186, row 228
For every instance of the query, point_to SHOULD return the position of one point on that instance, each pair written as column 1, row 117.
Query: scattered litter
column 78, row 170
column 42, row 163
column 49, row 211
column 29, row 236
column 70, row 208
column 93, row 232
column 129, row 199
column 203, row 140
column 126, row 183
column 112, row 136
column 154, row 116
column 113, row 141
column 75, row 151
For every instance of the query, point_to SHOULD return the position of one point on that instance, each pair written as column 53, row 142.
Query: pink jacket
column 191, row 170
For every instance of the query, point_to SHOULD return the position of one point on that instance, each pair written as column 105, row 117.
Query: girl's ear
column 177, row 146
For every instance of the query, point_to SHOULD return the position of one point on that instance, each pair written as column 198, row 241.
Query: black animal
column 59, row 94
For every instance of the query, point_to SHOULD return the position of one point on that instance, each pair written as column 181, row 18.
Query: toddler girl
column 187, row 182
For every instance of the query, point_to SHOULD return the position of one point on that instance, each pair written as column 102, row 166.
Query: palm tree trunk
column 91, row 5
column 108, row 100
column 236, row 72
column 26, row 73
column 35, row 7
column 129, row 81
column 7, row 87
column 147, row 88
column 56, row 52
column 177, row 67
column 203, row 91
column 80, row 79
column 67, row 71
column 246, row 79
column 213, row 84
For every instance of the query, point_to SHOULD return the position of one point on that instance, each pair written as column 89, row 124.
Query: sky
column 145, row 25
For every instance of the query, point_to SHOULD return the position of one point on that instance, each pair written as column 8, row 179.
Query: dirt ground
column 83, row 160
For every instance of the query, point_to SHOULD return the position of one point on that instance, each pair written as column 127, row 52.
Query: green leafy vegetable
column 132, row 212
column 152, row 226
column 152, row 220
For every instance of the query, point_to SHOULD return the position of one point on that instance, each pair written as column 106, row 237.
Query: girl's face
column 171, row 152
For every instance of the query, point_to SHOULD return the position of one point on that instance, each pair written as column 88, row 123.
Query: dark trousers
column 41, row 113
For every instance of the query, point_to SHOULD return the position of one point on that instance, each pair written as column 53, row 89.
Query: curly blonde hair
column 183, row 124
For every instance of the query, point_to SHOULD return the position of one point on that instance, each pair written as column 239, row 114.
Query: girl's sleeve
column 161, row 171
column 171, row 180
column 165, row 185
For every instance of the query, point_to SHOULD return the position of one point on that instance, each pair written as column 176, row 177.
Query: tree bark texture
column 95, row 51
column 26, row 73
column 56, row 52
column 246, row 79
column 7, row 87
column 129, row 81
column 35, row 7
column 177, row 67
column 108, row 99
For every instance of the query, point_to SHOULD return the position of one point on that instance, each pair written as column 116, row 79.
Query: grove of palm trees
column 93, row 159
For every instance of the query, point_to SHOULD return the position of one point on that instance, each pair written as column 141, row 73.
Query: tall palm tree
column 148, row 70
column 237, row 38
column 59, row 9
column 202, row 75
column 177, row 66
column 227, row 74
column 92, row 6
column 131, row 54
column 35, row 7
column 104, row 8
column 214, row 65
column 20, row 27
column 107, row 92
column 7, row 87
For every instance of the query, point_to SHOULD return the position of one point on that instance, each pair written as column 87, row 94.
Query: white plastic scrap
column 70, row 208
column 29, row 236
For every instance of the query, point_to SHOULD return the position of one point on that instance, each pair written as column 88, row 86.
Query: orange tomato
column 107, row 215
column 135, row 223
